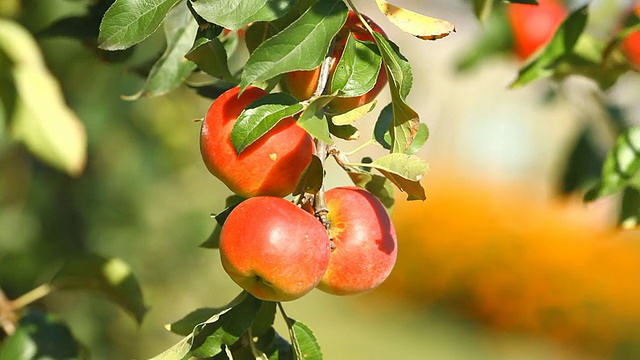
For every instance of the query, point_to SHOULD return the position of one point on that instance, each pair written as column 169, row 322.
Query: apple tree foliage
column 280, row 36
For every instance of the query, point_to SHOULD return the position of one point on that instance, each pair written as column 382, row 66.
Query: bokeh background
column 494, row 265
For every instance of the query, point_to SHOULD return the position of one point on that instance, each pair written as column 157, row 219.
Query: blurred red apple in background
column 534, row 25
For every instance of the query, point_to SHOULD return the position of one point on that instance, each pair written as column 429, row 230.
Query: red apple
column 631, row 44
column 273, row 249
column 272, row 165
column 364, row 239
column 534, row 25
column 302, row 84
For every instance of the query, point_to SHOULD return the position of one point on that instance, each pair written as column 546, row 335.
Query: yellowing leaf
column 40, row 117
column 420, row 26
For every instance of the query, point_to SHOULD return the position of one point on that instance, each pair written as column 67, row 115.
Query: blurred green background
column 146, row 197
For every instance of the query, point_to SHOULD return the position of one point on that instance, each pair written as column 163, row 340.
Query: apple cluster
column 277, row 250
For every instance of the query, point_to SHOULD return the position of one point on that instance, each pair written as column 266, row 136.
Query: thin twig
column 319, row 204
column 32, row 296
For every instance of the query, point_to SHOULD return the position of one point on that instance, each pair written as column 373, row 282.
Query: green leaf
column 225, row 328
column 314, row 120
column 211, row 329
column 35, row 107
column 301, row 46
column 495, row 38
column 264, row 319
column 260, row 117
column 257, row 33
column 378, row 185
column 177, row 351
column 275, row 346
column 482, row 9
column 345, row 132
column 583, row 164
column 19, row 346
column 213, row 241
column 357, row 71
column 383, row 124
column 560, row 46
column 383, row 137
column 591, row 58
column 41, row 335
column 172, row 69
column 405, row 171
column 186, row 325
column 209, row 53
column 406, row 121
column 420, row 139
column 312, row 179
column 621, row 167
column 235, row 14
column 52, row 337
column 353, row 115
column 110, row 277
column 304, row 343
column 128, row 22
column 397, row 66
column 630, row 209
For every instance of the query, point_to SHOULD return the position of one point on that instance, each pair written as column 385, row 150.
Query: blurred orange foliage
column 503, row 255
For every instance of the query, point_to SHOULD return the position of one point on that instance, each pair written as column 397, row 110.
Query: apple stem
column 319, row 204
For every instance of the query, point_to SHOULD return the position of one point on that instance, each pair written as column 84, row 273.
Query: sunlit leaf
column 177, row 351
column 110, row 277
column 345, row 132
column 621, row 167
column 19, row 346
column 172, row 68
column 235, row 14
column 406, row 121
column 186, row 325
column 225, row 328
column 36, row 108
column 357, row 71
column 353, row 115
column 561, row 45
column 418, row 25
column 405, row 171
column 301, row 46
column 383, row 136
column 260, row 117
column 304, row 341
column 210, row 330
column 314, row 120
column 128, row 22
